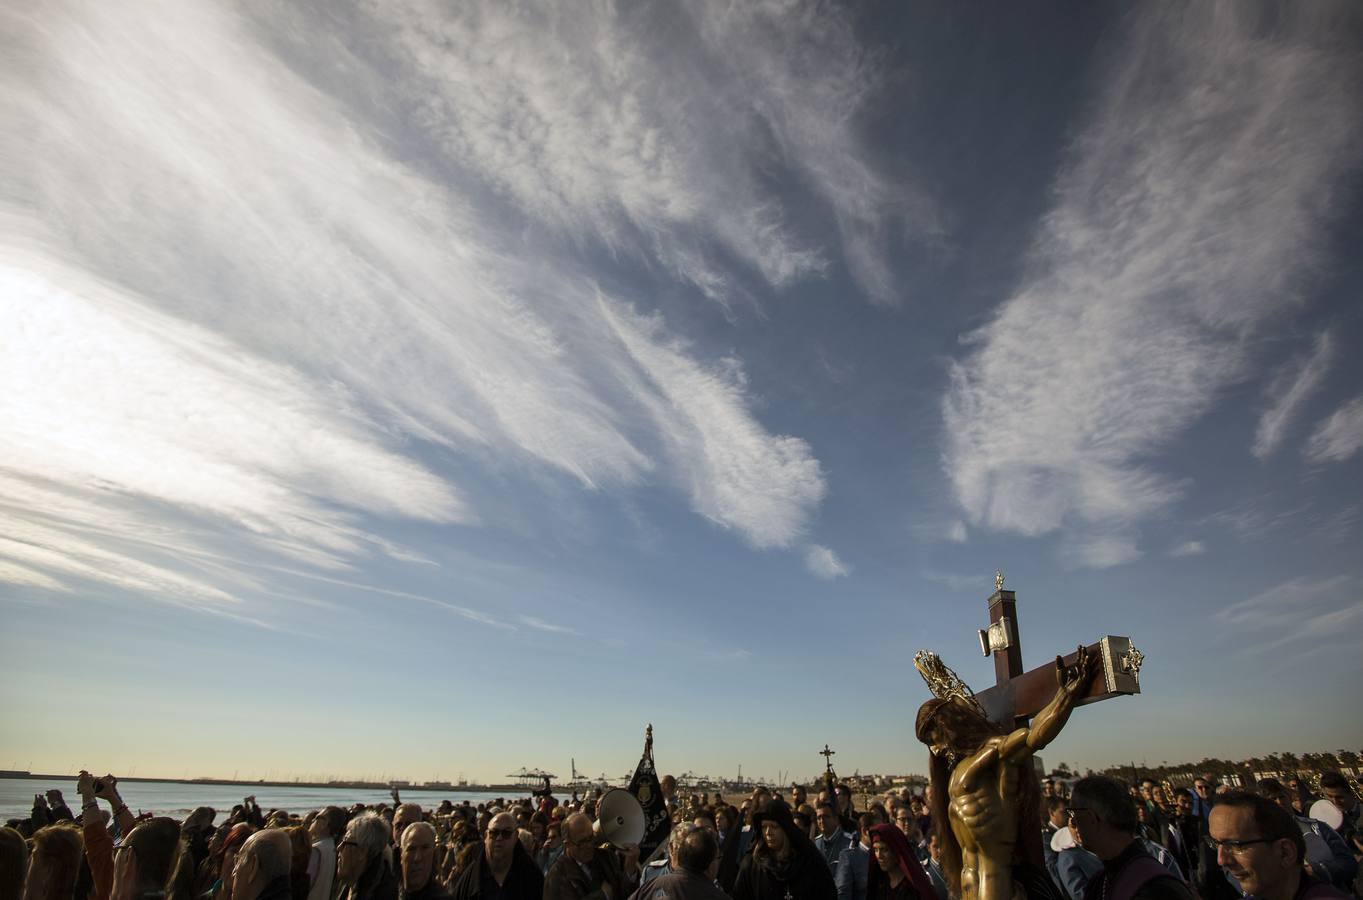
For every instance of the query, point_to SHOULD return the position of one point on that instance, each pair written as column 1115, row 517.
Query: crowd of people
column 1101, row 840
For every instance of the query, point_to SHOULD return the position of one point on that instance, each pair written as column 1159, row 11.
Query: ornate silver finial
column 998, row 579
column 944, row 683
column 1131, row 663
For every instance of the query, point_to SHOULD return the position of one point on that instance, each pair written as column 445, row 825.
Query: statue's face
column 940, row 746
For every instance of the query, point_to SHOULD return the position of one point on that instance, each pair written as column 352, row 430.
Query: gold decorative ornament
column 1131, row 664
column 943, row 682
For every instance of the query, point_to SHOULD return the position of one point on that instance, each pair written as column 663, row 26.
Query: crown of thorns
column 944, row 683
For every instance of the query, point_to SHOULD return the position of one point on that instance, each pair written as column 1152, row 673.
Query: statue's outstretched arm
column 1055, row 714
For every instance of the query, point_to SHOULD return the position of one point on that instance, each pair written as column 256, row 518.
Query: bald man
column 503, row 870
column 405, row 815
column 262, row 867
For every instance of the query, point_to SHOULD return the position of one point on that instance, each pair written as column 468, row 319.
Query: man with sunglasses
column 503, row 870
column 1259, row 844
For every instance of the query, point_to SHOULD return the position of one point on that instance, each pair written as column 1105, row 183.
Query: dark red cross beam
column 1018, row 695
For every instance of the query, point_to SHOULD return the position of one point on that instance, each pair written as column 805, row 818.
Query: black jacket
column 278, row 889
column 567, row 880
column 523, row 882
column 804, row 875
column 377, row 883
column 433, row 890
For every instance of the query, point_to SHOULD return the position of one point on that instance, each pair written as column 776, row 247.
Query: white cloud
column 1099, row 550
column 1317, row 609
column 1188, row 548
column 1283, row 603
column 1188, row 215
column 1288, row 391
column 739, row 476
column 103, row 390
column 655, row 127
column 1338, row 436
column 823, row 562
column 541, row 625
column 957, row 532
column 230, row 296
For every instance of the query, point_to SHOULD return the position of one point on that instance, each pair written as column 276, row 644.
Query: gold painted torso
column 984, row 819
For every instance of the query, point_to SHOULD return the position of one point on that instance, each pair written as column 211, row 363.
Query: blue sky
column 423, row 389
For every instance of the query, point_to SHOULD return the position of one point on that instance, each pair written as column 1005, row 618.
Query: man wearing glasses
column 1259, row 844
column 504, row 870
column 586, row 871
column 1103, row 819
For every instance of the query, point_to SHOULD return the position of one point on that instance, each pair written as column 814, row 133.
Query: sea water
column 164, row 798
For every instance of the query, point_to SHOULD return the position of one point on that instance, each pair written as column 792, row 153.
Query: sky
column 428, row 390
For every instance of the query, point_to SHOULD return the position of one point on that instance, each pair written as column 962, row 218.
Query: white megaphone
column 1326, row 812
column 620, row 818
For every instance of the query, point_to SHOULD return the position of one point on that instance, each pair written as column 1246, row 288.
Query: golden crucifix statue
column 982, row 780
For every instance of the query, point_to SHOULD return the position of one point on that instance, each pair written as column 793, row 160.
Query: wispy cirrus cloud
column 1299, row 609
column 652, row 127
column 824, row 563
column 1188, row 548
column 1290, row 388
column 541, row 625
column 1187, row 216
column 231, row 292
column 1339, row 435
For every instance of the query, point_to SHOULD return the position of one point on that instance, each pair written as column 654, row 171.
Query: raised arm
column 122, row 815
column 1052, row 718
column 99, row 847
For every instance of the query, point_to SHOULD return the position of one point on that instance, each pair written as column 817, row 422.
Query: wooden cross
column 1017, row 695
column 827, row 758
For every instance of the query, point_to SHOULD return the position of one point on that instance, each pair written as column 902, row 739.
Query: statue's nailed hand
column 1073, row 679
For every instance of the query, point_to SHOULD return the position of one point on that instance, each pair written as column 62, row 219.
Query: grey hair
column 678, row 836
column 693, row 847
column 370, row 832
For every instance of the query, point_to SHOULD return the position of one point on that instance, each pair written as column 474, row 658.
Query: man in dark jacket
column 586, row 871
column 783, row 862
column 695, row 853
column 1103, row 818
column 503, row 870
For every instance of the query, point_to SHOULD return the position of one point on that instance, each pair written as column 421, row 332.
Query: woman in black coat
column 784, row 863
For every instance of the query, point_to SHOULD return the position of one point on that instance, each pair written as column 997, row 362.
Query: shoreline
column 339, row 785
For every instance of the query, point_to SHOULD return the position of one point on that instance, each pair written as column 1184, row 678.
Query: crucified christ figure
column 982, row 783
